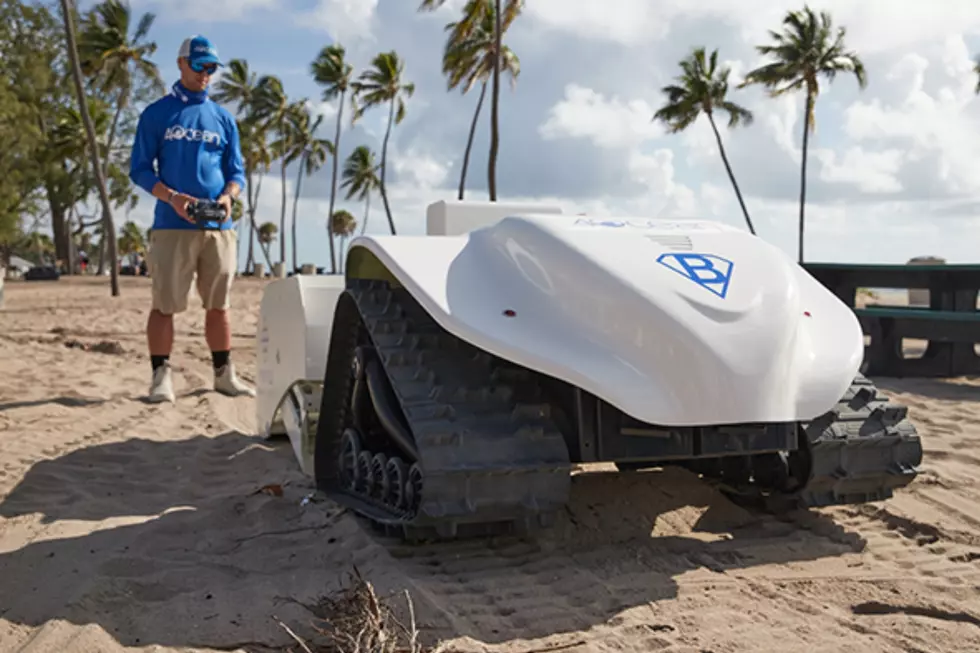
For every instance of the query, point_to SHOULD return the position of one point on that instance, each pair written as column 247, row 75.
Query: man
column 195, row 145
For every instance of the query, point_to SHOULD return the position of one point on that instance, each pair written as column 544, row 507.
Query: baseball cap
column 199, row 49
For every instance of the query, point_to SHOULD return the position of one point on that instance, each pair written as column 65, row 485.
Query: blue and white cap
column 199, row 49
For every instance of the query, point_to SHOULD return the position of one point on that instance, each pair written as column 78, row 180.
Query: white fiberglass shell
column 292, row 340
column 675, row 322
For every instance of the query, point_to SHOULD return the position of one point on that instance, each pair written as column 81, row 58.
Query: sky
column 894, row 169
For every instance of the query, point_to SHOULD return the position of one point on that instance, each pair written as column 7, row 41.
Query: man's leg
column 171, row 263
column 215, row 274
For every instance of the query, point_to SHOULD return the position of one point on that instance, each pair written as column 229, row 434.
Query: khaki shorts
column 176, row 255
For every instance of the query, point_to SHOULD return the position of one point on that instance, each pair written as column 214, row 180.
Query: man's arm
column 232, row 162
column 233, row 166
column 143, row 154
column 146, row 145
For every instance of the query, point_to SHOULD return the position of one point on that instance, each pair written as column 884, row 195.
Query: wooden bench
column 950, row 324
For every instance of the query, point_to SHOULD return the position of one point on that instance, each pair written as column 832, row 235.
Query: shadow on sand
column 964, row 389
column 188, row 552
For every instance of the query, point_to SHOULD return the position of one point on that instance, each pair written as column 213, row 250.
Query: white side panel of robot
column 455, row 217
column 674, row 322
column 293, row 336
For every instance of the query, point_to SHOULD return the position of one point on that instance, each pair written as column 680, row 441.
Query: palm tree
column 271, row 107
column 334, row 74
column 513, row 7
column 267, row 235
column 976, row 69
column 806, row 49
column 470, row 56
column 131, row 240
column 703, row 88
column 111, row 59
column 343, row 223
column 237, row 85
column 257, row 156
column 379, row 84
column 310, row 150
column 360, row 178
column 68, row 15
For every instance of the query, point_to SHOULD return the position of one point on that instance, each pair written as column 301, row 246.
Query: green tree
column 25, row 72
column 37, row 81
column 112, row 60
column 343, row 223
column 976, row 70
column 469, row 57
column 702, row 88
column 311, row 151
column 383, row 83
column 272, row 108
column 332, row 72
column 806, row 49
column 257, row 155
column 500, row 16
column 267, row 235
column 238, row 86
column 132, row 240
column 360, row 178
column 69, row 19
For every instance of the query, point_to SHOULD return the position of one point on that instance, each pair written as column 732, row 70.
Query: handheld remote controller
column 207, row 214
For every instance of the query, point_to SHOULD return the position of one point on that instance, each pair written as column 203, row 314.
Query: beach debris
column 355, row 620
column 101, row 347
column 272, row 489
column 313, row 497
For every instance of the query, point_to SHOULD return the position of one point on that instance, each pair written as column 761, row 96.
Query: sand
column 128, row 526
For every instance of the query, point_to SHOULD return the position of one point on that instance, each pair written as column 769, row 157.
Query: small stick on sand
column 296, row 638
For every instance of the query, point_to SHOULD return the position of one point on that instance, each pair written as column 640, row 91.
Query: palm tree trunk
column 469, row 141
column 299, row 182
column 282, row 216
column 76, row 70
column 731, row 175
column 384, row 165
column 120, row 104
column 367, row 209
column 494, row 104
column 333, row 185
column 250, row 257
column 806, row 142
column 255, row 227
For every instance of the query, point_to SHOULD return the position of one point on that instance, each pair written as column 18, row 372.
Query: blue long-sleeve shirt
column 194, row 143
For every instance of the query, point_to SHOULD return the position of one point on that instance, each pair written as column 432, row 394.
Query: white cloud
column 342, row 19
column 873, row 25
column 938, row 129
column 584, row 113
column 870, row 172
column 215, row 11
column 422, row 170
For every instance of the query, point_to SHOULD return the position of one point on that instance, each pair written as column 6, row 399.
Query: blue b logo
column 709, row 271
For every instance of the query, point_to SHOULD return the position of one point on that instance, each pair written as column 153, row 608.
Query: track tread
column 492, row 458
column 861, row 450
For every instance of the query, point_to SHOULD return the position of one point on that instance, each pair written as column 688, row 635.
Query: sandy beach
column 137, row 527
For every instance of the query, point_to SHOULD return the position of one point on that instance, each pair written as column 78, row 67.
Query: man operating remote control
column 195, row 145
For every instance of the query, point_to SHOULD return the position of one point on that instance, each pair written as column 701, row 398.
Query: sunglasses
column 209, row 68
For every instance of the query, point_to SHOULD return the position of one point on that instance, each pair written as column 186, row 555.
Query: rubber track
column 862, row 450
column 491, row 456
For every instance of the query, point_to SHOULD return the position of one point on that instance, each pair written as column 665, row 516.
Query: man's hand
column 180, row 202
column 225, row 201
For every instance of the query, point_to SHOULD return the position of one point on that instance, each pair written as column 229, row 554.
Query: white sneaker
column 162, row 387
column 226, row 382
